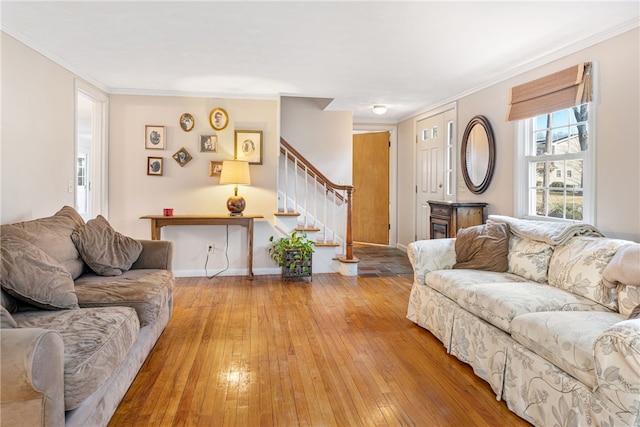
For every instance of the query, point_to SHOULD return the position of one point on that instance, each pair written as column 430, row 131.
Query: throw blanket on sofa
column 553, row 233
column 624, row 268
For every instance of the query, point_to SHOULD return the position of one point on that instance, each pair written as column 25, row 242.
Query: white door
column 430, row 168
column 91, row 149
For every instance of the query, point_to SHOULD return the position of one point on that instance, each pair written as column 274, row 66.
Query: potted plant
column 293, row 254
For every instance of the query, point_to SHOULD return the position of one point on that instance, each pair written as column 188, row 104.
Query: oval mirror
column 478, row 154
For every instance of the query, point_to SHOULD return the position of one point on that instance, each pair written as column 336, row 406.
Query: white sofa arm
column 32, row 377
column 617, row 359
column 431, row 255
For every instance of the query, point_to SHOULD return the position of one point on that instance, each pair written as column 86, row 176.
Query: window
column 556, row 147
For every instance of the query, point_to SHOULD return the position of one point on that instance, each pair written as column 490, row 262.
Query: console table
column 448, row 217
column 159, row 221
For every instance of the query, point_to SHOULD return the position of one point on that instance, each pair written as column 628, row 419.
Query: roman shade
column 564, row 89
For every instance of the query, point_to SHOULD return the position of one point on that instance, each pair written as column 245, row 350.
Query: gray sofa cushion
column 6, row 320
column 106, row 252
column 31, row 275
column 53, row 236
column 96, row 343
column 483, row 247
column 147, row 291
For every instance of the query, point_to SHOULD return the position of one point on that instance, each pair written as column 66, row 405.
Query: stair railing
column 335, row 214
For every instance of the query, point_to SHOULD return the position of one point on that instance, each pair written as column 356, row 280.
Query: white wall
column 322, row 137
column 38, row 99
column 190, row 189
column 617, row 136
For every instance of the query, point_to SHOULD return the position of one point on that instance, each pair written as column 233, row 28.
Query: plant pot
column 295, row 266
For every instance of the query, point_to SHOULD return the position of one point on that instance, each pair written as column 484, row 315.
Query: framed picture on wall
column 154, row 137
column 182, row 156
column 154, row 166
column 248, row 146
column 218, row 118
column 208, row 143
column 215, row 168
column 187, row 122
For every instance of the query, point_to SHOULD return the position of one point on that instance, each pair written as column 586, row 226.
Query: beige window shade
column 554, row 92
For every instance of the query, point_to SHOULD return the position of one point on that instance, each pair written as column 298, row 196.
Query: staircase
column 309, row 202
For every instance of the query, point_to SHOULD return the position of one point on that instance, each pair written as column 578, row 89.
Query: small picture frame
column 215, row 168
column 154, row 166
column 218, row 119
column 154, row 137
column 182, row 156
column 248, row 146
column 208, row 143
column 187, row 122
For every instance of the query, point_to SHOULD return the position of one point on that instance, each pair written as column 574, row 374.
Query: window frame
column 524, row 175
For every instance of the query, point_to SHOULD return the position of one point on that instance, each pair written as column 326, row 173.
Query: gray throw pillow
column 635, row 313
column 106, row 252
column 483, row 247
column 6, row 320
column 30, row 275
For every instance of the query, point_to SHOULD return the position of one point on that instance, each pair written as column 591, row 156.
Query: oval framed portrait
column 218, row 118
column 187, row 122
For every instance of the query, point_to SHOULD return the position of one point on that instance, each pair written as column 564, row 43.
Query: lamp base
column 235, row 205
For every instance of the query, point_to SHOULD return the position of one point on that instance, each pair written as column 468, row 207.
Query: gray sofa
column 70, row 352
column 555, row 334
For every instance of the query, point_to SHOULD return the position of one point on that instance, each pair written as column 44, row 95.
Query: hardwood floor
column 335, row 352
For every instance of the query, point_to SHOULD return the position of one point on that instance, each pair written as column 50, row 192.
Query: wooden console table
column 159, row 221
column 448, row 217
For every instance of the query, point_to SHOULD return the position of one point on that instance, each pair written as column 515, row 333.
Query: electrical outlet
column 210, row 248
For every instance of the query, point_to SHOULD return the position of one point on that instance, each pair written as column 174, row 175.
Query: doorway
column 435, row 166
column 371, row 153
column 90, row 152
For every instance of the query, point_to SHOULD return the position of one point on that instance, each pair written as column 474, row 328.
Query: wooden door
column 371, row 188
column 430, row 146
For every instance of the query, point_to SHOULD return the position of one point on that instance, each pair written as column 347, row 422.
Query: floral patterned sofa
column 549, row 336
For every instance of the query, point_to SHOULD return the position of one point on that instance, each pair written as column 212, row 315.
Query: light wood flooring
column 337, row 351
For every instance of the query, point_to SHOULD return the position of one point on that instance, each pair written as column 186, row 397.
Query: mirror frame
column 482, row 187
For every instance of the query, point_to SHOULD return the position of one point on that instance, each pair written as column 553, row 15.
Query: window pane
column 541, row 202
column 574, row 174
column 574, row 205
column 560, row 118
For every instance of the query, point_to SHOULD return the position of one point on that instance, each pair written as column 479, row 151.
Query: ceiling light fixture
column 379, row 109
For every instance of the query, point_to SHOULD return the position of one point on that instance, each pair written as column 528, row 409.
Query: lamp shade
column 235, row 172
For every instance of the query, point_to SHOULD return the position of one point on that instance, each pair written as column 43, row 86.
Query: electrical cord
column 226, row 255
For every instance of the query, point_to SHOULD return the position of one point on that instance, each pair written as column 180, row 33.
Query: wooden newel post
column 349, row 239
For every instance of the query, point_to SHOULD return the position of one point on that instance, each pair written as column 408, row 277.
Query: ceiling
column 409, row 56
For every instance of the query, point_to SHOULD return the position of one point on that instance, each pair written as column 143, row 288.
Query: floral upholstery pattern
column 500, row 303
column 565, row 339
column 430, row 255
column 617, row 357
column 628, row 298
column 544, row 395
column 560, row 355
column 482, row 346
column 529, row 258
column 432, row 311
column 455, row 283
column 577, row 267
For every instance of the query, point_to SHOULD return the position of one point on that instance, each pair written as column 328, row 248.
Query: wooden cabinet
column 448, row 217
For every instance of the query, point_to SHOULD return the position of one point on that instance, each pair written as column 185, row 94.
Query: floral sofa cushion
column 577, row 267
column 565, row 339
column 529, row 258
column 500, row 303
column 454, row 283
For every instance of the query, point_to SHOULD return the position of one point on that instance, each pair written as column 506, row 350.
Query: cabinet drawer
column 439, row 210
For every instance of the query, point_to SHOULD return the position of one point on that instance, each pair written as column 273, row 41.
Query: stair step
column 308, row 229
column 326, row 243
column 286, row 214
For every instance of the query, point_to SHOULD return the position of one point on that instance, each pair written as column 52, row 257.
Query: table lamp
column 235, row 172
